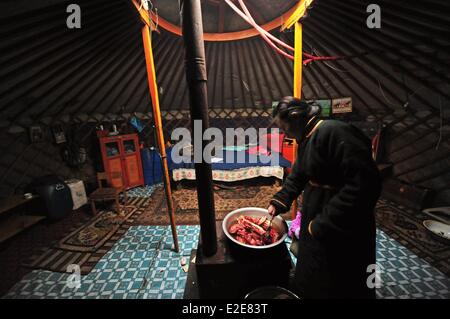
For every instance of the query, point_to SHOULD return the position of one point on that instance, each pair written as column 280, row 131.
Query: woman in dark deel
column 341, row 186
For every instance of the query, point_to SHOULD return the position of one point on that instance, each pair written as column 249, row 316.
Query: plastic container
column 151, row 165
column 55, row 196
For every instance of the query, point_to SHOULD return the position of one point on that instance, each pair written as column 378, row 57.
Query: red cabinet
column 288, row 152
column 122, row 160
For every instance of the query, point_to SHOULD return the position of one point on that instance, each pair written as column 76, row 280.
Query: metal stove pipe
column 196, row 76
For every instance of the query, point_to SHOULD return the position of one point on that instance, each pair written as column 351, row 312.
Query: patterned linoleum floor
column 144, row 191
column 142, row 265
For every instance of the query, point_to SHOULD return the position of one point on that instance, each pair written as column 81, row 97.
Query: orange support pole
column 297, row 86
column 151, row 74
column 145, row 17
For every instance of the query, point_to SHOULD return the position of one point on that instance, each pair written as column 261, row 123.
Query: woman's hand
column 276, row 207
column 271, row 209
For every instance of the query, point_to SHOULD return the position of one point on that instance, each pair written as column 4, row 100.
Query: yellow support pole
column 151, row 75
column 298, row 63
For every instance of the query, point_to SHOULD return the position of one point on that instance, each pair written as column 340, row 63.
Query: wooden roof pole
column 145, row 17
column 298, row 60
column 151, row 75
column 298, row 63
column 299, row 11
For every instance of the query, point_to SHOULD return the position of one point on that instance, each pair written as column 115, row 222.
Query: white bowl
column 278, row 223
column 437, row 228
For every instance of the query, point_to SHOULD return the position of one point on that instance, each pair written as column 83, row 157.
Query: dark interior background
column 397, row 76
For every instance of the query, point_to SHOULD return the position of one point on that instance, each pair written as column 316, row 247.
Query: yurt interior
column 224, row 149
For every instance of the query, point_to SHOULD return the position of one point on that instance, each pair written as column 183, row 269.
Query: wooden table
column 11, row 222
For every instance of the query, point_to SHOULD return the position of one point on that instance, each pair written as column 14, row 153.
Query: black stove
column 233, row 271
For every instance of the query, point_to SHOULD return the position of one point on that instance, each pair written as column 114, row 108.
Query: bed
column 225, row 167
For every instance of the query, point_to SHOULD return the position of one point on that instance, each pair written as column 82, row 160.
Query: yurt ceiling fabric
column 398, row 74
column 48, row 70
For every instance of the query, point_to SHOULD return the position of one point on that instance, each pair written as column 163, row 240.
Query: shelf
column 12, row 202
column 14, row 225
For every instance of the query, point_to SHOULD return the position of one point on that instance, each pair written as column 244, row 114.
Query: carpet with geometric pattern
column 86, row 244
column 186, row 203
column 405, row 226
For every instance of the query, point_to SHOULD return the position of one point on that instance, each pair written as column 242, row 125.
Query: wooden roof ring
column 226, row 36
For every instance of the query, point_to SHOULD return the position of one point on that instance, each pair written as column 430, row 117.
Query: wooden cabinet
column 122, row 160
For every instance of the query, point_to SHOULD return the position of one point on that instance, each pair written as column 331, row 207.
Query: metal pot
column 271, row 292
column 278, row 223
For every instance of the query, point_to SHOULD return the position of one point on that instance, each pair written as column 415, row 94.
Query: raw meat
column 252, row 231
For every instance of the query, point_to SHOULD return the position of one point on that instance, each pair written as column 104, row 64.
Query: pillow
column 268, row 138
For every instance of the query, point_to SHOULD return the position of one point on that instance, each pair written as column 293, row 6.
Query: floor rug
column 91, row 236
column 141, row 265
column 405, row 226
column 186, row 204
column 87, row 243
column 31, row 242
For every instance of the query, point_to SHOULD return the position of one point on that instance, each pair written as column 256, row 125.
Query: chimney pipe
column 192, row 27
